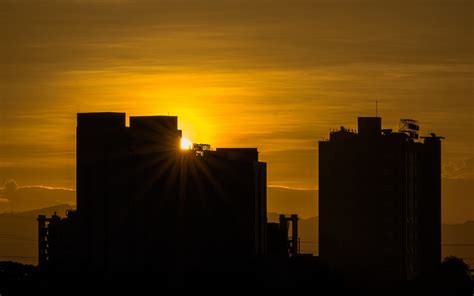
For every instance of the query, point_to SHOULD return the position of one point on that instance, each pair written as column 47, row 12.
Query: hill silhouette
column 18, row 226
column 457, row 239
column 19, row 234
column 457, row 201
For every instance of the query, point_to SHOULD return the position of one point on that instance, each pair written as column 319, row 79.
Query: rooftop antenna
column 376, row 109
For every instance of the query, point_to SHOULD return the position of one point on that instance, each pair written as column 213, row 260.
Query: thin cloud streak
column 270, row 74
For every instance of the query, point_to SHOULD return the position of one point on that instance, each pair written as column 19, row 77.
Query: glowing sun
column 186, row 144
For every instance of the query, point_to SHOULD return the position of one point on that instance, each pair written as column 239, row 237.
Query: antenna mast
column 376, row 109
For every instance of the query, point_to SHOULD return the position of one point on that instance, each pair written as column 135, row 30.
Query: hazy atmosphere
column 279, row 76
column 275, row 75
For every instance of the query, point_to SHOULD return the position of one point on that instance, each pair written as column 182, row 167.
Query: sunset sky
column 276, row 75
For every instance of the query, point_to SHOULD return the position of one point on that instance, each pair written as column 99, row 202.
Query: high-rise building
column 144, row 204
column 380, row 201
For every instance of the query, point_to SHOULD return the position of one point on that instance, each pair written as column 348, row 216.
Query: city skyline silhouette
column 145, row 203
column 175, row 143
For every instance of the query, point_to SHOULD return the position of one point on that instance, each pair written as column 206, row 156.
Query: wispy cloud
column 23, row 198
column 271, row 74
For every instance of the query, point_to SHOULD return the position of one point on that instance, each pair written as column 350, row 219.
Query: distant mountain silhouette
column 18, row 234
column 58, row 209
column 458, row 239
column 457, row 202
column 18, row 230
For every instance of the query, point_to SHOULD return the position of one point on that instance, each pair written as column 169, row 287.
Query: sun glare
column 186, row 144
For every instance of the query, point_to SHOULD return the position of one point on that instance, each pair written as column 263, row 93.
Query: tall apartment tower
column 143, row 204
column 380, row 201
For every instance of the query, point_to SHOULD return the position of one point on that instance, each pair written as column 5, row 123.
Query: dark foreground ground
column 307, row 276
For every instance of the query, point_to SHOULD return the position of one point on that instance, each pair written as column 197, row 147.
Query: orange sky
column 276, row 75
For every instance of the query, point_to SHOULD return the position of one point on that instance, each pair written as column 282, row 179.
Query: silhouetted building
column 144, row 204
column 279, row 241
column 59, row 242
column 380, row 201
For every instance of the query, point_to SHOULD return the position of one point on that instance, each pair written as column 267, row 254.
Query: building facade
column 380, row 202
column 144, row 204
